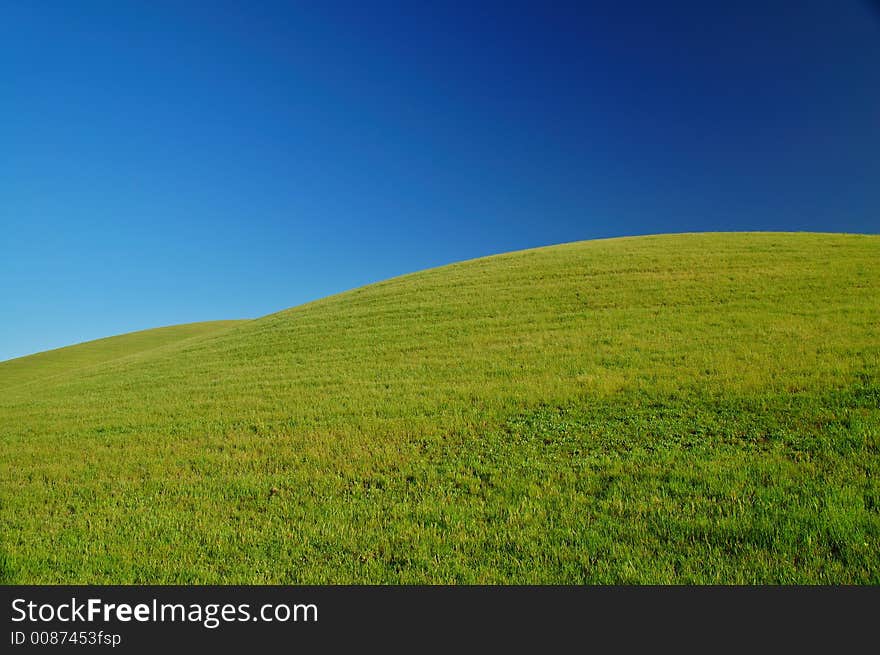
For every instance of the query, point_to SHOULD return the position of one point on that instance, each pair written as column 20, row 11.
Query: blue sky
column 165, row 162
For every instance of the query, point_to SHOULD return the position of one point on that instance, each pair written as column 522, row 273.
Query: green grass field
column 670, row 409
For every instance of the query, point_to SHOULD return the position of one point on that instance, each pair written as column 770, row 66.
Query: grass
column 42, row 366
column 696, row 408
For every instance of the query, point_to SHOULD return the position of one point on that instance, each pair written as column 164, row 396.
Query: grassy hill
column 72, row 359
column 681, row 408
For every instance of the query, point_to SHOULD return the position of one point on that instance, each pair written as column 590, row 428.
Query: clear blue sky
column 165, row 161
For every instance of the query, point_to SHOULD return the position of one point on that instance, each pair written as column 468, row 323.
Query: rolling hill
column 678, row 408
column 72, row 359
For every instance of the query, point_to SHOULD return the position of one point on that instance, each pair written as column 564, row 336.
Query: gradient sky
column 165, row 162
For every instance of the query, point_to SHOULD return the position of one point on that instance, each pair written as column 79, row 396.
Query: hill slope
column 69, row 361
column 682, row 408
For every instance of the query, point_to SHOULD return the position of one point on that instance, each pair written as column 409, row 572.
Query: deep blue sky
column 166, row 162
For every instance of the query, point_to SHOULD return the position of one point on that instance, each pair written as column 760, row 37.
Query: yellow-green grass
column 682, row 408
column 70, row 360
